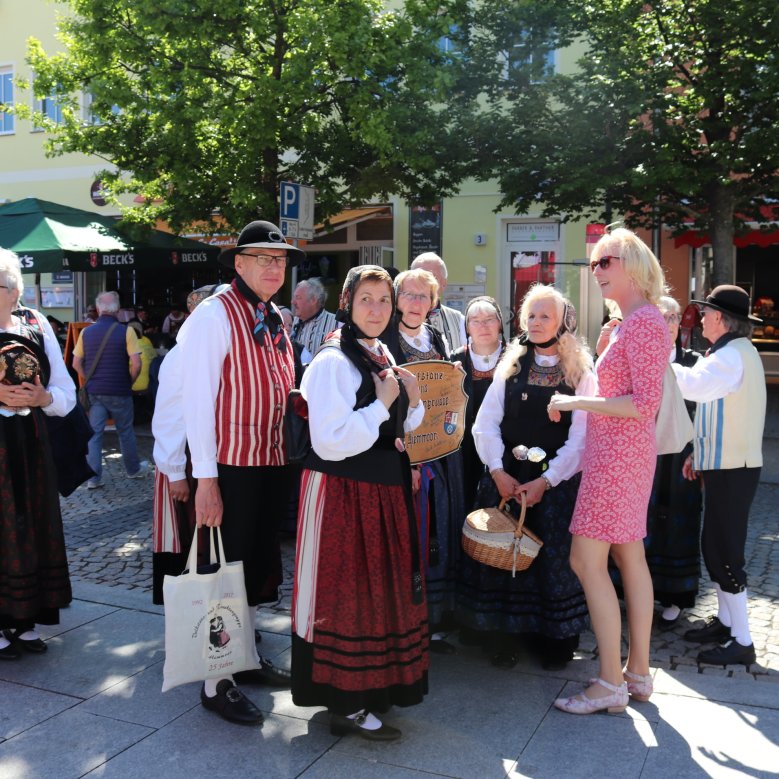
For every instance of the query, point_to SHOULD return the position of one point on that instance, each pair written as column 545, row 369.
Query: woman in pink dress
column 618, row 468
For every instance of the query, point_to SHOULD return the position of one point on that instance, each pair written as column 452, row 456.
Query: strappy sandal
column 581, row 704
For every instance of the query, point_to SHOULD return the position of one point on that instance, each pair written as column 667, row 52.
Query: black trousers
column 728, row 497
column 255, row 502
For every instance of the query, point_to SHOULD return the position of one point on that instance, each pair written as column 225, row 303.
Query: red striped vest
column 253, row 392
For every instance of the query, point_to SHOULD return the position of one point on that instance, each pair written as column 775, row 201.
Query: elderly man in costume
column 448, row 321
column 312, row 323
column 237, row 369
column 729, row 386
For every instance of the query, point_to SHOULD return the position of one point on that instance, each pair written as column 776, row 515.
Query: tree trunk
column 722, row 204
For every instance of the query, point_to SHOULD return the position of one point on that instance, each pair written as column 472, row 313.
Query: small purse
column 673, row 428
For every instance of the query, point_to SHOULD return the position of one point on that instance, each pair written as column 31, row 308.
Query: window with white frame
column 6, row 99
column 50, row 107
column 538, row 60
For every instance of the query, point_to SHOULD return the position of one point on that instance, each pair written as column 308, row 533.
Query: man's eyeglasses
column 411, row 296
column 266, row 260
column 603, row 262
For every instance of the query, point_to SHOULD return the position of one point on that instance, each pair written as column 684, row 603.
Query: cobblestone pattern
column 108, row 535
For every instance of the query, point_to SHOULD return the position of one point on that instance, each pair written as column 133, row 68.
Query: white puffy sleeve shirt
column 712, row 377
column 204, row 340
column 339, row 431
column 167, row 424
column 489, row 443
column 61, row 386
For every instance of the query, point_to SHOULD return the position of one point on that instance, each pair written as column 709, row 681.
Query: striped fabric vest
column 255, row 382
column 729, row 431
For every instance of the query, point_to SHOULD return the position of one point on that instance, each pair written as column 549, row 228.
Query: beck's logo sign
column 194, row 257
column 93, row 259
column 175, row 257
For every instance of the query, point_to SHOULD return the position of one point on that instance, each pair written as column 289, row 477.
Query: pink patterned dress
column 620, row 454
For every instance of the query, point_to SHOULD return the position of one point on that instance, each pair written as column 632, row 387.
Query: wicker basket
column 493, row 537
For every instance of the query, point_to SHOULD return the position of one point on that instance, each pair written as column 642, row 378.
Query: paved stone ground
column 108, row 534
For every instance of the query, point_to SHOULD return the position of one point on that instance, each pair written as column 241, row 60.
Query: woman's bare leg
column 589, row 561
column 639, row 602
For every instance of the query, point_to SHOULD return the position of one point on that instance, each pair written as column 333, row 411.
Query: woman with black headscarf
column 359, row 618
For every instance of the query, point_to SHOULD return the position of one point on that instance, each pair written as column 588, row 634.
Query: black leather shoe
column 34, row 645
column 231, row 704
column 712, row 631
column 342, row 726
column 267, row 673
column 730, row 653
column 9, row 652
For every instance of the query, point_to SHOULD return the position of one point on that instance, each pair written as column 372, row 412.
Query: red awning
column 696, row 239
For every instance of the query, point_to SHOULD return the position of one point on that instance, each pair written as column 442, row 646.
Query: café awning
column 49, row 237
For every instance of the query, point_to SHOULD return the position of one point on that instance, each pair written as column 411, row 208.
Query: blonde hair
column 575, row 357
column 641, row 265
column 424, row 277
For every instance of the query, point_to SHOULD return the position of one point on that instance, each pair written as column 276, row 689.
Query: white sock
column 438, row 636
column 671, row 612
column 4, row 642
column 29, row 635
column 723, row 613
column 737, row 607
column 210, row 685
column 370, row 722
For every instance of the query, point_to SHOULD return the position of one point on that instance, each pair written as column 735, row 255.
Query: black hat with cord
column 731, row 300
column 261, row 235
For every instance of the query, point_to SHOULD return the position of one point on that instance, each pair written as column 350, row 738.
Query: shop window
column 6, row 100
column 50, row 107
column 374, row 230
column 337, row 236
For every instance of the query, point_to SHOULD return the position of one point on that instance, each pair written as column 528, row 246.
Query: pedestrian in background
column 110, row 385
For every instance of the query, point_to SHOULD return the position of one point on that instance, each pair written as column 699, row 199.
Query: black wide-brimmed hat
column 23, row 359
column 732, row 300
column 261, row 235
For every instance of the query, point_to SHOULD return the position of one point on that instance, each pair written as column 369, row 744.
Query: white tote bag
column 673, row 428
column 209, row 627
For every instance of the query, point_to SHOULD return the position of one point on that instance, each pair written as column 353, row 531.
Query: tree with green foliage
column 203, row 108
column 669, row 118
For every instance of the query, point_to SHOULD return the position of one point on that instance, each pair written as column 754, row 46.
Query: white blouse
column 339, row 431
column 489, row 443
column 61, row 386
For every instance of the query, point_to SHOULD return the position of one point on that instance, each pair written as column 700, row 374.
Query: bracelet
column 548, row 483
column 496, row 470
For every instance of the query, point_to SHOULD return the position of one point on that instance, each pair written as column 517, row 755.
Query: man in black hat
column 728, row 385
column 238, row 367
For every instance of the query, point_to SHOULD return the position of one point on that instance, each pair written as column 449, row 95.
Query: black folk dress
column 546, row 600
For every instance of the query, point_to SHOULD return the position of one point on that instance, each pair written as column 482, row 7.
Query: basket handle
column 521, row 521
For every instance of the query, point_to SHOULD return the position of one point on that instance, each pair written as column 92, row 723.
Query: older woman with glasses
column 439, row 484
column 543, row 605
column 618, row 469
column 34, row 384
column 479, row 358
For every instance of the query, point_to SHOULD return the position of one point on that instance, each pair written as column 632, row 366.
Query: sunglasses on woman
column 603, row 262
